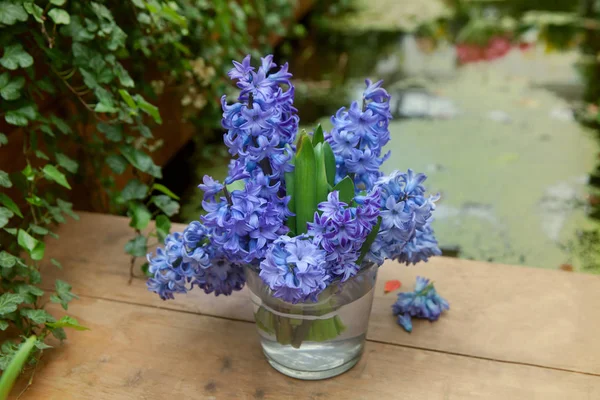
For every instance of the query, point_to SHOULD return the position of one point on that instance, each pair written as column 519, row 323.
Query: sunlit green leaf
column 52, row 173
column 165, row 190
column 67, row 322
column 59, row 16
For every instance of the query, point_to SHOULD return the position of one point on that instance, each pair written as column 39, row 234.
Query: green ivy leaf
column 41, row 345
column 56, row 263
column 67, row 208
column 10, row 204
column 59, row 16
column 37, row 316
column 5, row 180
column 9, row 302
column 34, row 247
column 123, row 76
column 11, row 13
column 7, row 260
column 59, row 333
column 137, row 246
column 148, row 108
column 41, row 155
column 3, row 139
column 140, row 160
column 60, row 124
column 52, row 173
column 67, row 163
column 14, row 55
column 40, row 230
column 140, row 216
column 165, row 190
column 21, row 116
column 114, row 133
column 116, row 163
column 12, row 231
column 163, row 227
column 36, row 11
column 63, row 294
column 67, row 322
column 59, row 3
column 166, row 205
column 3, row 325
column 128, row 99
column 11, row 89
column 134, row 190
column 34, row 200
column 29, row 292
column 5, row 215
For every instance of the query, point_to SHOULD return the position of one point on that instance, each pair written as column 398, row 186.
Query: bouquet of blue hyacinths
column 303, row 212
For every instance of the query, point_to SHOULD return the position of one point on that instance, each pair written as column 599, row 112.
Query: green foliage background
column 67, row 64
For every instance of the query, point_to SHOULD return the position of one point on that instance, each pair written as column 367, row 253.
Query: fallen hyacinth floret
column 424, row 302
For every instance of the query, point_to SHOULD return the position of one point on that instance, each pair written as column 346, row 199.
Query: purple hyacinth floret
column 359, row 134
column 341, row 231
column 294, row 269
column 189, row 259
column 406, row 215
column 261, row 126
column 424, row 302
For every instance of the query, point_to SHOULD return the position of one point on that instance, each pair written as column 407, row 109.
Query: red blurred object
column 468, row 53
column 497, row 47
column 524, row 46
column 392, row 285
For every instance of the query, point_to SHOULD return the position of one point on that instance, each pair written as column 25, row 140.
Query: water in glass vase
column 314, row 340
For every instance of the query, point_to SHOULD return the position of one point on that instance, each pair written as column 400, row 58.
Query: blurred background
column 495, row 100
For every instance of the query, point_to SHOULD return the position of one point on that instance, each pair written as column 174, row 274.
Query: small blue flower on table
column 424, row 302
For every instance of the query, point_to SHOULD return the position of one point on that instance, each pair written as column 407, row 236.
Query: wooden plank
column 136, row 352
column 513, row 314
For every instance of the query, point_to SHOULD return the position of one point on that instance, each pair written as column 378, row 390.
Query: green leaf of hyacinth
column 289, row 186
column 318, row 136
column 321, row 175
column 369, row 241
column 15, row 366
column 305, row 184
column 346, row 189
column 329, row 163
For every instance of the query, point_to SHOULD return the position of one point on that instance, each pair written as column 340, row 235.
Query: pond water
column 497, row 139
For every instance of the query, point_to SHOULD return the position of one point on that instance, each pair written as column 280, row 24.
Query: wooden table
column 511, row 333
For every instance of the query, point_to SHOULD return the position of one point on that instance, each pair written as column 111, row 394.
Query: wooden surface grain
column 139, row 352
column 500, row 312
column 511, row 333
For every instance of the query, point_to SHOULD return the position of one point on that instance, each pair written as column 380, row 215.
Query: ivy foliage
column 79, row 85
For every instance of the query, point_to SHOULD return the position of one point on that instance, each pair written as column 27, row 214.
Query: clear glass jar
column 314, row 340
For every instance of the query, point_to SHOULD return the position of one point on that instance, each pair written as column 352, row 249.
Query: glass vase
column 314, row 340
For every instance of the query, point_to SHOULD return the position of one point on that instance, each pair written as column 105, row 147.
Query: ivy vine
column 79, row 85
